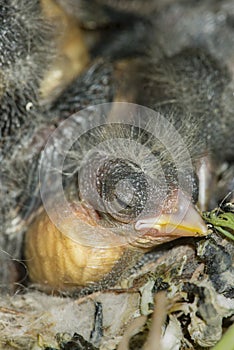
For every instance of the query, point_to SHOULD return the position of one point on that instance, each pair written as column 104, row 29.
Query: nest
column 177, row 298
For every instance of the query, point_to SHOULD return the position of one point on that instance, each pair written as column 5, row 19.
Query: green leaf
column 221, row 221
column 227, row 341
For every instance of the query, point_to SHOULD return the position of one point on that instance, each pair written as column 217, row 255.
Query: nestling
column 128, row 179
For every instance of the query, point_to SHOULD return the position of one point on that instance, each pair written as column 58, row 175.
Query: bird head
column 115, row 188
column 136, row 175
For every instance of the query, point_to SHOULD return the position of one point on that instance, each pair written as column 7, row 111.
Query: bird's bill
column 183, row 221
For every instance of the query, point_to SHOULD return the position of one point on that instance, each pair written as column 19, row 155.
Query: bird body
column 57, row 262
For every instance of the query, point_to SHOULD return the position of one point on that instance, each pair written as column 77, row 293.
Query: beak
column 183, row 220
